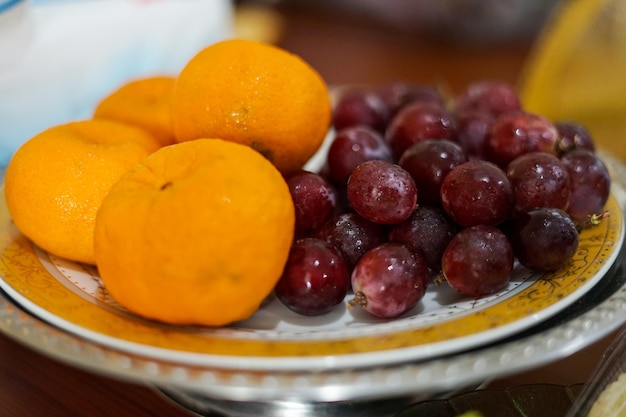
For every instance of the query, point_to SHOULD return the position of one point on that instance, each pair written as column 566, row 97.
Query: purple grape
column 352, row 146
column 590, row 184
column 428, row 231
column 396, row 95
column 428, row 162
column 492, row 97
column 382, row 192
column 315, row 278
column 517, row 133
column 478, row 261
column 544, row 239
column 418, row 121
column 472, row 130
column 314, row 200
column 574, row 136
column 389, row 280
column 360, row 107
column 477, row 192
column 539, row 179
column 352, row 235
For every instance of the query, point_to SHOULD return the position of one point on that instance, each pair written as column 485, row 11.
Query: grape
column 396, row 95
column 574, row 136
column 544, row 239
column 477, row 192
column 428, row 162
column 590, row 184
column 517, row 133
column 472, row 129
column 382, row 192
column 314, row 201
column 478, row 261
column 492, row 97
column 315, row 278
column 418, row 121
column 352, row 146
column 389, row 280
column 352, row 235
column 428, row 231
column 539, row 179
column 360, row 107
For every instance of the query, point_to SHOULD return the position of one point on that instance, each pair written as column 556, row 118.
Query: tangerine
column 255, row 94
column 143, row 102
column 55, row 181
column 197, row 233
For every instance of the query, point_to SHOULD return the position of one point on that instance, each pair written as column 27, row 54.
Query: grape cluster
column 419, row 187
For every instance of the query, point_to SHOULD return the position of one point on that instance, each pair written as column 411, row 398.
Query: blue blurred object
column 59, row 58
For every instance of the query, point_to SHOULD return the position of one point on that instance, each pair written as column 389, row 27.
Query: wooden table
column 345, row 50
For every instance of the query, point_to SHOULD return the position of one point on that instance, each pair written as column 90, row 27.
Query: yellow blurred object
column 258, row 22
column 576, row 71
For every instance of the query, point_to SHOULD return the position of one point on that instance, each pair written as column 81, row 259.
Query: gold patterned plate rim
column 71, row 297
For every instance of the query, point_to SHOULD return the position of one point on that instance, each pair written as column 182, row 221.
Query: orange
column 254, row 94
column 142, row 102
column 197, row 233
column 56, row 181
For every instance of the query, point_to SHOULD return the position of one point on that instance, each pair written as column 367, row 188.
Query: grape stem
column 592, row 221
column 359, row 299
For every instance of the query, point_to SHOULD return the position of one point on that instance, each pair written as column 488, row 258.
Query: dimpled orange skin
column 56, row 181
column 255, row 94
column 198, row 233
column 144, row 102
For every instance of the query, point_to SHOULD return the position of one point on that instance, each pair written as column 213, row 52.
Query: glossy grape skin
column 539, row 179
column 477, row 192
column 574, row 136
column 314, row 199
column 315, row 278
column 428, row 231
column 389, row 280
column 428, row 162
column 590, row 184
column 352, row 235
column 382, row 192
column 360, row 107
column 419, row 121
column 492, row 97
column 352, row 146
column 544, row 239
column 514, row 134
column 478, row 261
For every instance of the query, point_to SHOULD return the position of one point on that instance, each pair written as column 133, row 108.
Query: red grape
column 517, row 133
column 472, row 130
column 574, row 136
column 382, row 192
column 428, row 231
column 419, row 121
column 428, row 162
column 492, row 97
column 314, row 201
column 352, row 146
column 360, row 107
column 539, row 179
column 544, row 239
column 315, row 278
column 389, row 280
column 590, row 184
column 477, row 192
column 352, row 235
column 396, row 95
column 478, row 261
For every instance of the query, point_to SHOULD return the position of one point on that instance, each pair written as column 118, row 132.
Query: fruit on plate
column 143, row 102
column 197, row 233
column 254, row 94
column 55, row 182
